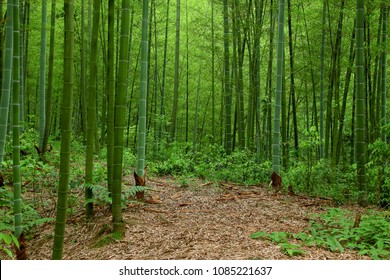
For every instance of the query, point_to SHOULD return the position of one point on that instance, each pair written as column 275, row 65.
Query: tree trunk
column 91, row 109
column 292, row 80
column 111, row 92
column 278, row 92
column 176, row 78
column 227, row 84
column 6, row 81
column 15, row 126
column 119, row 120
column 42, row 77
column 360, row 104
column 66, row 131
column 50, row 79
column 143, row 92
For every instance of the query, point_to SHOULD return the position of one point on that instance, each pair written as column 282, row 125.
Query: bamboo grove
column 283, row 80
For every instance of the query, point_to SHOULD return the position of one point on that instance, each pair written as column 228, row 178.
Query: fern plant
column 336, row 230
column 7, row 239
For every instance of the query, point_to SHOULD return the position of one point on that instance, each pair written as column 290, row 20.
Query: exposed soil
column 201, row 221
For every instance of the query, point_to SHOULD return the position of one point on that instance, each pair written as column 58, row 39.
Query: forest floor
column 200, row 221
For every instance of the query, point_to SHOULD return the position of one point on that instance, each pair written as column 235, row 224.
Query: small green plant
column 336, row 230
column 7, row 239
column 101, row 195
column 281, row 239
column 292, row 249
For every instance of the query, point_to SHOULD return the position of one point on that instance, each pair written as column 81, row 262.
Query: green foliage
column 335, row 230
column 379, row 172
column 31, row 220
column 281, row 238
column 6, row 223
column 102, row 195
column 212, row 163
column 292, row 249
column 319, row 178
column 7, row 240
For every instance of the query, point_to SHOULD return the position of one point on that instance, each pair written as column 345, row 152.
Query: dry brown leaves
column 199, row 222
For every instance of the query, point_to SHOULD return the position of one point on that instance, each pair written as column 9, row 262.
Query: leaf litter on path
column 202, row 221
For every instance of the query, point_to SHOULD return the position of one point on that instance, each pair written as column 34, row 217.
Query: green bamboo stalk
column 239, row 78
column 15, row 125
column 83, row 87
column 176, row 77
column 268, row 86
column 1, row 43
column 119, row 121
column 292, row 79
column 383, row 66
column 259, row 5
column 50, row 82
column 91, row 108
column 213, row 131
column 6, row 80
column 66, row 130
column 21, row 65
column 42, row 77
column 322, row 95
column 195, row 140
column 143, row 92
column 227, row 82
column 360, row 104
column 164, row 73
column 110, row 93
column 279, row 88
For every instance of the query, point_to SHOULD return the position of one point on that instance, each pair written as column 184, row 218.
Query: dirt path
column 202, row 221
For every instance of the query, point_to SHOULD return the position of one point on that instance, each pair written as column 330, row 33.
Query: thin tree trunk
column 314, row 120
column 360, row 104
column 348, row 74
column 187, row 75
column 15, row 127
column 176, row 78
column 383, row 72
column 83, row 101
column 6, row 81
column 259, row 5
column 143, row 92
column 164, row 74
column 50, row 79
column 213, row 131
column 278, row 92
column 227, row 84
column 292, row 79
column 268, row 88
column 66, row 131
column 119, row 120
column 91, row 110
column 322, row 94
column 111, row 92
column 1, row 45
column 197, row 111
column 42, row 77
column 21, row 64
column 240, row 82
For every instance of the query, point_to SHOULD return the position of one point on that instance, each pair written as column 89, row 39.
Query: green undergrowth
column 337, row 230
column 307, row 175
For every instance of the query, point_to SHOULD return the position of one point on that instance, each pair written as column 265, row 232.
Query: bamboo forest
column 194, row 129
